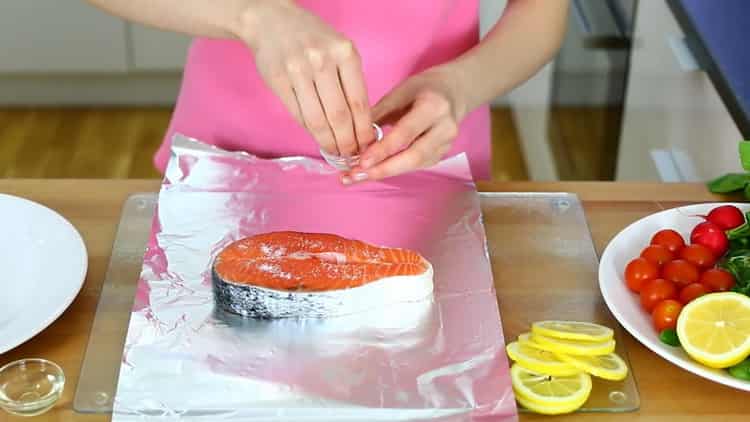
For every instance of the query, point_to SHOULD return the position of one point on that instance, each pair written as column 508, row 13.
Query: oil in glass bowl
column 30, row 387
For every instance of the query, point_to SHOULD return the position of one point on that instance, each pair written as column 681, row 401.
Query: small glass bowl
column 30, row 387
column 347, row 163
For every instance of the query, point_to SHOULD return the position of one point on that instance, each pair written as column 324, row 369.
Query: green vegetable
column 669, row 336
column 741, row 370
column 737, row 262
column 741, row 243
column 735, row 182
column 729, row 183
column 745, row 155
column 742, row 231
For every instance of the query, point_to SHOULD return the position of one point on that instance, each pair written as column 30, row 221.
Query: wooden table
column 93, row 206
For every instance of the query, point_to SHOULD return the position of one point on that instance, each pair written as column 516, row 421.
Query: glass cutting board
column 543, row 259
column 545, row 267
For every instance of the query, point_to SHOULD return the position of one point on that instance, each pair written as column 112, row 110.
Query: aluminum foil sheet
column 440, row 359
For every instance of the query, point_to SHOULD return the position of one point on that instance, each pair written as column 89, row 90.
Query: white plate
column 626, row 306
column 44, row 263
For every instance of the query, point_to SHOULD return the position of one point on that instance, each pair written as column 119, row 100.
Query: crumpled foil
column 440, row 359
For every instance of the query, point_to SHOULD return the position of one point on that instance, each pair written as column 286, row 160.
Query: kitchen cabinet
column 675, row 126
column 71, row 53
column 74, row 37
column 59, row 36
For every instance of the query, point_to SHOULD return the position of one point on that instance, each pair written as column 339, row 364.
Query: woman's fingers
column 393, row 104
column 329, row 89
column 336, row 108
column 426, row 151
column 283, row 89
column 355, row 90
column 406, row 130
column 300, row 73
column 322, row 67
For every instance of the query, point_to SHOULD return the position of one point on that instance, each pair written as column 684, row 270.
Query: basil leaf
column 741, row 370
column 745, row 155
column 740, row 243
column 738, row 263
column 669, row 336
column 729, row 183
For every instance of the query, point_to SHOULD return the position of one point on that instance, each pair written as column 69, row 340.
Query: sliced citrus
column 548, row 394
column 573, row 347
column 547, row 409
column 714, row 329
column 610, row 366
column 525, row 338
column 573, row 330
column 540, row 361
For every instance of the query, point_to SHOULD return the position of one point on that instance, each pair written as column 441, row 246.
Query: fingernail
column 359, row 177
column 346, row 180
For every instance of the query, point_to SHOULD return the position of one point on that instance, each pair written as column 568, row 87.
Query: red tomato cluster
column 669, row 274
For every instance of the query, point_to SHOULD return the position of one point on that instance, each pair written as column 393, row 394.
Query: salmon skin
column 295, row 274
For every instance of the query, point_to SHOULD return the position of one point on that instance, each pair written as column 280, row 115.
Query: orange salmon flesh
column 312, row 262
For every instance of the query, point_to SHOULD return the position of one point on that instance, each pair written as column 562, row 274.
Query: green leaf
column 745, row 155
column 747, row 191
column 740, row 243
column 740, row 232
column 669, row 336
column 738, row 263
column 731, row 182
column 741, row 370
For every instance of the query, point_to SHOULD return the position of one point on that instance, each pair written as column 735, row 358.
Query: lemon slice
column 525, row 339
column 539, row 361
column 547, row 409
column 548, row 394
column 573, row 330
column 715, row 329
column 610, row 367
column 573, row 347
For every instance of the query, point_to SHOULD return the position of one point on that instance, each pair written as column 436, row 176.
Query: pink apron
column 224, row 102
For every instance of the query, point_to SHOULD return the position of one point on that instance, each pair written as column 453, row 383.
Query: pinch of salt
column 274, row 270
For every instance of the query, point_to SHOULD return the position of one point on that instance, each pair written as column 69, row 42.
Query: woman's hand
column 425, row 111
column 315, row 71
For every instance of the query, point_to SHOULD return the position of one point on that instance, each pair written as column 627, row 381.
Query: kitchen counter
column 93, row 206
column 718, row 34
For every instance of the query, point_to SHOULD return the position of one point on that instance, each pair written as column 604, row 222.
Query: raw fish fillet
column 293, row 274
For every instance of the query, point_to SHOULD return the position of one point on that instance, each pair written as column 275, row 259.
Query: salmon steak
column 315, row 275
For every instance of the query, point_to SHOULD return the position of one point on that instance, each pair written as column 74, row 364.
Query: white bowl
column 625, row 305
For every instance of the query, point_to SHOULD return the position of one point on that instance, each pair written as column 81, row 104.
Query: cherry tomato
column 681, row 272
column 717, row 280
column 670, row 239
column 638, row 272
column 699, row 255
column 692, row 291
column 656, row 290
column 665, row 314
column 657, row 254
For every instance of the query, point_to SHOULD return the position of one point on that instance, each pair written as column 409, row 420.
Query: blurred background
column 625, row 98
